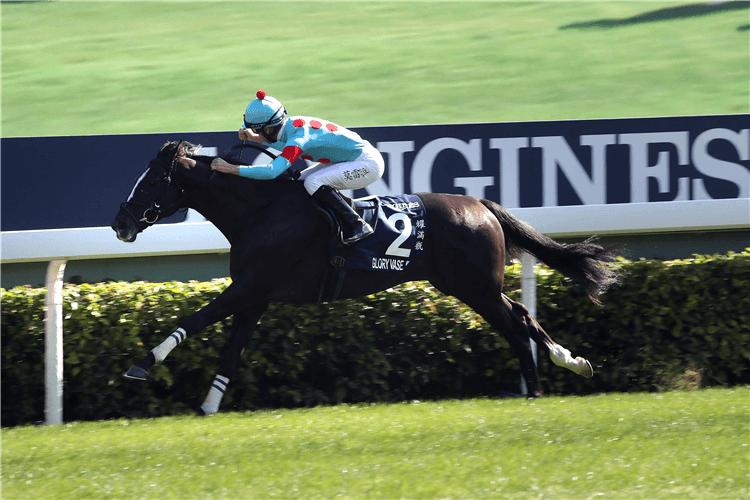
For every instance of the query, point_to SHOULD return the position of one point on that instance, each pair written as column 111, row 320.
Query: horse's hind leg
column 243, row 324
column 557, row 353
column 500, row 314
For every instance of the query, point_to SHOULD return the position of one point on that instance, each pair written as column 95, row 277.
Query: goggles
column 270, row 122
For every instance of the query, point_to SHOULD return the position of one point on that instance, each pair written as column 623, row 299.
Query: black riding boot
column 354, row 228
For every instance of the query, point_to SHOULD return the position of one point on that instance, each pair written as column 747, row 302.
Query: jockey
column 343, row 160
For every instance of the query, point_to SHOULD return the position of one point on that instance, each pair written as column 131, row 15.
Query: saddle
column 335, row 272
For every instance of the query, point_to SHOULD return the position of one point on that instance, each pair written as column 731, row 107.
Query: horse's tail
column 584, row 263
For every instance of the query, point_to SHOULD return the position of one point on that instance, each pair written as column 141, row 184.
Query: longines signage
column 79, row 181
column 586, row 169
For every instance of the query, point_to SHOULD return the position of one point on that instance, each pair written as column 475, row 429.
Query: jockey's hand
column 245, row 134
column 186, row 162
column 222, row 166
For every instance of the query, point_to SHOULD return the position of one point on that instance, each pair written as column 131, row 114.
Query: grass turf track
column 73, row 68
column 680, row 445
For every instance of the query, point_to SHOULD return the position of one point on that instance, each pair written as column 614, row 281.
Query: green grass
column 137, row 67
column 680, row 445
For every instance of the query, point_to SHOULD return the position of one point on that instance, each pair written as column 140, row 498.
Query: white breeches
column 356, row 174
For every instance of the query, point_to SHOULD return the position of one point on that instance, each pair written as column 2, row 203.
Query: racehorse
column 280, row 247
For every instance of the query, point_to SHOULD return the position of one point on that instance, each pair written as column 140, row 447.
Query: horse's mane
column 187, row 148
column 193, row 150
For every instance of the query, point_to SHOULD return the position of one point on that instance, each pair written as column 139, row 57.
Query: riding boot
column 353, row 227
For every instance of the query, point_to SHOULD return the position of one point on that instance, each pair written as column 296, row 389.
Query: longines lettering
column 651, row 156
column 401, row 206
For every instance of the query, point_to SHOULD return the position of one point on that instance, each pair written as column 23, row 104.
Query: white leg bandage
column 213, row 399
column 562, row 357
column 162, row 350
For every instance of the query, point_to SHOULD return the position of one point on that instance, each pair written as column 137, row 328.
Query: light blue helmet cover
column 265, row 111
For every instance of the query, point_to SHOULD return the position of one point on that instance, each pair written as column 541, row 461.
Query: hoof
column 587, row 371
column 137, row 373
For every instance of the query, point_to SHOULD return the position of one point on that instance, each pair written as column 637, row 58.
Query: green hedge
column 664, row 320
column 408, row 342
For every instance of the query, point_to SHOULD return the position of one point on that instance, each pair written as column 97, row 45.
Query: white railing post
column 528, row 298
column 53, row 343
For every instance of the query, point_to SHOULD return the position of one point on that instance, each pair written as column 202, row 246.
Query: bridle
column 152, row 212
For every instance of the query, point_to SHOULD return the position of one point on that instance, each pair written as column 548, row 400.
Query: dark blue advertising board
column 79, row 181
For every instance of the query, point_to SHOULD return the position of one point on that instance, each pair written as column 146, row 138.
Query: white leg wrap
column 213, row 399
column 162, row 350
column 562, row 357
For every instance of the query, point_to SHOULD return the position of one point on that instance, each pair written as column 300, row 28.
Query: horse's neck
column 228, row 200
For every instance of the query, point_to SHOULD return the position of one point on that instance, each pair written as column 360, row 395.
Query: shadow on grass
column 667, row 14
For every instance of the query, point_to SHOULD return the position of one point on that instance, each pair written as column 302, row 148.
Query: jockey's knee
column 312, row 185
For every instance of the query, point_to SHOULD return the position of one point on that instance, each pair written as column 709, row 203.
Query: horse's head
column 157, row 193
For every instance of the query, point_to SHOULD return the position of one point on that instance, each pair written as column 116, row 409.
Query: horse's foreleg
column 139, row 371
column 243, row 324
column 220, row 308
column 557, row 353
column 215, row 394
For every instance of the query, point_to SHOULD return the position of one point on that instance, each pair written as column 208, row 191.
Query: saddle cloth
column 400, row 225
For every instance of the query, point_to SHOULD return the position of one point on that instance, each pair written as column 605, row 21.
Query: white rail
column 203, row 237
column 53, row 344
column 528, row 298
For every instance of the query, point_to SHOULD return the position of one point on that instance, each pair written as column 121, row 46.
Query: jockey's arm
column 263, row 172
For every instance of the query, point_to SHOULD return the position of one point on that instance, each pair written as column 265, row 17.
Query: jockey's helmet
column 265, row 111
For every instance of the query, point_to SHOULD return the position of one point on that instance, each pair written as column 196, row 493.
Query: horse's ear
column 180, row 149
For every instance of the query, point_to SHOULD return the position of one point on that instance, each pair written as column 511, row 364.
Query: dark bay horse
column 280, row 248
